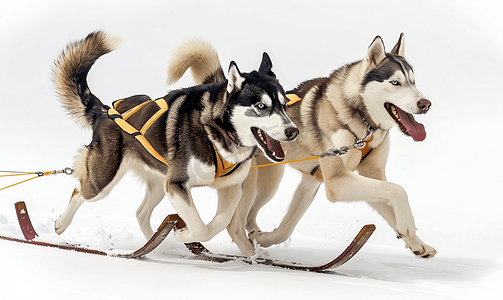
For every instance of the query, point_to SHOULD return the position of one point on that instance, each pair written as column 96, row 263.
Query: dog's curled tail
column 70, row 75
column 201, row 58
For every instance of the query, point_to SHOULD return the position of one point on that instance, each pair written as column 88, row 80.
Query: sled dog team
column 211, row 134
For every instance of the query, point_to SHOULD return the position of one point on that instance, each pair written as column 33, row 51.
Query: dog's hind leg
column 66, row 218
column 98, row 173
column 304, row 196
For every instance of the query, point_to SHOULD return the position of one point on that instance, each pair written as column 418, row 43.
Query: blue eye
column 395, row 82
column 261, row 106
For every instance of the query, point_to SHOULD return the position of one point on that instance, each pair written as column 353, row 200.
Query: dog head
column 256, row 110
column 389, row 92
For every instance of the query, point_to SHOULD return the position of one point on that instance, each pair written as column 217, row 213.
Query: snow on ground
column 452, row 178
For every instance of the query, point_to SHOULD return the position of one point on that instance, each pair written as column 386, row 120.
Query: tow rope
column 67, row 171
column 222, row 166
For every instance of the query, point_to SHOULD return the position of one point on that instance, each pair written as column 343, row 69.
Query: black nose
column 292, row 133
column 424, row 104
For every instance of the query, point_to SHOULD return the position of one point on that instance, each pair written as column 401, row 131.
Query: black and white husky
column 361, row 100
column 199, row 136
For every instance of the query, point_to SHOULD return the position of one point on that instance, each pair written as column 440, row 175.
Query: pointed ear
column 375, row 54
column 399, row 48
column 235, row 82
column 266, row 65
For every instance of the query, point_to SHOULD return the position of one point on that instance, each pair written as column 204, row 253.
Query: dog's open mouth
column 271, row 147
column 406, row 122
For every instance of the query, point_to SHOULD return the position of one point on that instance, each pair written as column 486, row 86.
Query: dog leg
column 196, row 231
column 417, row 246
column 153, row 196
column 181, row 199
column 98, row 174
column 77, row 199
column 66, row 218
column 353, row 187
column 236, row 228
column 304, row 196
column 267, row 183
column 228, row 199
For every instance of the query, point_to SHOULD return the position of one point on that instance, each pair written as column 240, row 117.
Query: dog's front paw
column 424, row 251
column 419, row 248
column 428, row 252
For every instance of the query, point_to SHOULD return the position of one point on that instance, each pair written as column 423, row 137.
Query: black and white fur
column 378, row 91
column 225, row 113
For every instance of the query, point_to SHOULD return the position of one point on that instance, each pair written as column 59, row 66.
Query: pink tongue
column 274, row 146
column 415, row 129
column 269, row 143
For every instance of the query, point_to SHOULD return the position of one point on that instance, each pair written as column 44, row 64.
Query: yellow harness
column 222, row 166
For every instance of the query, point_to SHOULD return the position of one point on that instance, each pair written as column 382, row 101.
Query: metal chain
column 358, row 144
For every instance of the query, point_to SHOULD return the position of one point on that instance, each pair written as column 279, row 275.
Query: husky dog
column 198, row 136
column 362, row 100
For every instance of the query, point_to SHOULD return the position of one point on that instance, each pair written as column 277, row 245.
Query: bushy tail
column 201, row 58
column 70, row 73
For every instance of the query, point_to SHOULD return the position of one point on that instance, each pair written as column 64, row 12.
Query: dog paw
column 250, row 253
column 419, row 248
column 425, row 252
column 255, row 236
column 58, row 226
column 183, row 235
column 265, row 239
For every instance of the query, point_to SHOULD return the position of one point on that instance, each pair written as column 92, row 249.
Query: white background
column 453, row 178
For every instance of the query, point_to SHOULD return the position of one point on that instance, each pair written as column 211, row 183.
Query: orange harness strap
column 292, row 99
column 120, row 120
column 223, row 167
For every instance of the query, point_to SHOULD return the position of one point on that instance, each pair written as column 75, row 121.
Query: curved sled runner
column 199, row 251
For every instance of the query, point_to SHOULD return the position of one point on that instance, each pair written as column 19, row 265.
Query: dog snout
column 424, row 105
column 291, row 133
